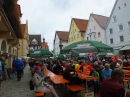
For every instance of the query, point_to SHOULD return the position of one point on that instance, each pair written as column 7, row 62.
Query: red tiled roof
column 19, row 10
column 101, row 20
column 63, row 35
column 23, row 29
column 81, row 24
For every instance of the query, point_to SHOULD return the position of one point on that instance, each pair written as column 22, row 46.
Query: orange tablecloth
column 88, row 78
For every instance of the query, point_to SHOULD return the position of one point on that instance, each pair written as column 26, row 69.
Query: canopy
column 107, row 54
column 125, row 48
column 87, row 46
column 41, row 53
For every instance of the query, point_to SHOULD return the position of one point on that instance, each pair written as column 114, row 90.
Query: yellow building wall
column 20, row 50
column 74, row 32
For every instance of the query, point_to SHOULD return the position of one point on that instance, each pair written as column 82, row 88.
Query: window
column 99, row 34
column 74, row 37
column 111, row 31
column 94, row 36
column 119, row 7
column 77, row 35
column 111, row 41
column 121, row 38
column 124, row 4
column 87, row 38
column 90, row 36
column 114, row 19
column 94, row 27
column 128, row 24
column 120, row 27
column 71, row 38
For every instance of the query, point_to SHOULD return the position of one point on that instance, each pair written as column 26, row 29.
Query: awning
column 125, row 48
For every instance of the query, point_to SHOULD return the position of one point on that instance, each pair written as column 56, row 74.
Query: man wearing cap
column 41, row 86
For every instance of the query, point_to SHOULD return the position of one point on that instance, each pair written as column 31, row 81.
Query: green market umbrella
column 41, row 53
column 61, row 56
column 87, row 46
column 107, row 54
column 74, row 54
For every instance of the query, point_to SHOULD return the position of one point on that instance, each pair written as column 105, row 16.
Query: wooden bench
column 39, row 94
column 75, row 88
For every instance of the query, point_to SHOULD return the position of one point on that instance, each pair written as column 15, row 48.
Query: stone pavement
column 14, row 88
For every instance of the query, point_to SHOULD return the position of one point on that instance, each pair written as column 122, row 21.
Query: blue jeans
column 9, row 72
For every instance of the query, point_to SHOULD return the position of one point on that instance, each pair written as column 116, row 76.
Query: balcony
column 10, row 19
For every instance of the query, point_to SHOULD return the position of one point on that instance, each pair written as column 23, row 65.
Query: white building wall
column 122, row 14
column 57, row 43
column 93, row 29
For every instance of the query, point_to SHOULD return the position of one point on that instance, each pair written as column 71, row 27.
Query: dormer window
column 34, row 42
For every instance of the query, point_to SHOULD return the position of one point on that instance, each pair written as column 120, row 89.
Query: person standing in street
column 1, row 72
column 111, row 87
column 4, row 63
column 19, row 66
column 8, row 68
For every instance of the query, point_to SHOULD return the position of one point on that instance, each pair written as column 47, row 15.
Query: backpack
column 31, row 85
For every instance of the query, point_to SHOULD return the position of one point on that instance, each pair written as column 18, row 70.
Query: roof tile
column 63, row 35
column 101, row 20
column 81, row 24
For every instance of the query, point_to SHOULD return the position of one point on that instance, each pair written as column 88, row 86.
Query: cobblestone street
column 14, row 88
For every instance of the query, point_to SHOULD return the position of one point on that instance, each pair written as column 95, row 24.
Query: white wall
column 57, row 43
column 122, row 17
column 95, row 29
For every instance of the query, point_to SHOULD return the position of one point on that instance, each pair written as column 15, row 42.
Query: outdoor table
column 58, row 79
column 124, row 67
column 48, row 73
column 87, row 78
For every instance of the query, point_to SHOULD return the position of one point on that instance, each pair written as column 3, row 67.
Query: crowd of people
column 106, row 70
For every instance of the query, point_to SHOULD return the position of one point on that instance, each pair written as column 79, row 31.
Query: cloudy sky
column 45, row 17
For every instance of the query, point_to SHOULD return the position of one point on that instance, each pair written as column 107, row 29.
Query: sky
column 45, row 17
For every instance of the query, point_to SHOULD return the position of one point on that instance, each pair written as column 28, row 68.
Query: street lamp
column 60, row 45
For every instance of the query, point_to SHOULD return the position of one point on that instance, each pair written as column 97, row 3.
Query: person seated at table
column 111, row 87
column 41, row 86
column 58, row 69
column 70, row 75
column 96, row 81
column 106, row 72
column 128, row 94
column 63, row 64
column 85, row 68
column 128, row 62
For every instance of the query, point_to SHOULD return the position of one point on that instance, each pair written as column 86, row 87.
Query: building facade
column 96, row 28
column 118, row 27
column 23, row 42
column 45, row 44
column 9, row 32
column 34, row 42
column 61, row 38
column 77, row 30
